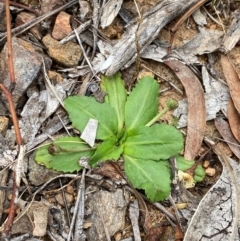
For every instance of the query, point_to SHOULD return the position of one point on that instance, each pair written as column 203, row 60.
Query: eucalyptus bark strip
column 124, row 52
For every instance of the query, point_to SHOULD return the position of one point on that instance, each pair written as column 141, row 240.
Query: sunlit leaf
column 81, row 109
column 142, row 103
column 106, row 151
column 154, row 143
column 116, row 95
column 70, row 150
column 151, row 176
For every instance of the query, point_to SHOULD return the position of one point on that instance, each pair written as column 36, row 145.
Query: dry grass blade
column 196, row 107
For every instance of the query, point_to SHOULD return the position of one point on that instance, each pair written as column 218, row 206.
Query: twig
column 22, row 6
column 50, row 85
column 65, row 201
column 16, row 176
column 84, row 54
column 76, row 211
column 79, row 30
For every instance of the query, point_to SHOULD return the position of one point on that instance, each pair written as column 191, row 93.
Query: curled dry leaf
column 234, row 120
column 232, row 80
column 227, row 135
column 196, row 107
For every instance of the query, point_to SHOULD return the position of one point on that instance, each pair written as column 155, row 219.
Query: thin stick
column 9, row 45
column 16, row 176
column 13, row 113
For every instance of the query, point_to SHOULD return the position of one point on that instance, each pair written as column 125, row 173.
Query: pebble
column 25, row 17
column 3, row 124
column 68, row 54
column 69, row 199
column 55, row 77
column 27, row 65
column 206, row 164
column 39, row 174
column 3, row 25
column 48, row 5
column 210, row 171
column 62, row 26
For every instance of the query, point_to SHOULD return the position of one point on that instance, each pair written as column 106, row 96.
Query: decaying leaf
column 216, row 99
column 217, row 216
column 226, row 133
column 110, row 11
column 232, row 80
column 234, row 120
column 196, row 107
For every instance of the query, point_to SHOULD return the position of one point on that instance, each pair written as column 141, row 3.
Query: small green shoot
column 126, row 127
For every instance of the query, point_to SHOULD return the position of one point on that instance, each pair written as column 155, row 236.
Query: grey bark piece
column 233, row 34
column 217, row 216
column 47, row 104
column 108, row 209
column 152, row 23
column 134, row 216
column 199, row 18
column 207, row 41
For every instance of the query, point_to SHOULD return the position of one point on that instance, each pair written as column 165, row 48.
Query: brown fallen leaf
column 232, row 80
column 234, row 120
column 196, row 107
column 227, row 135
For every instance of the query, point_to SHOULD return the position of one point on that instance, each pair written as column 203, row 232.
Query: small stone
column 48, row 5
column 3, row 26
column 70, row 189
column 210, row 171
column 25, row 17
column 206, row 164
column 55, row 77
column 39, row 174
column 69, row 199
column 3, row 124
column 27, row 65
column 68, row 54
column 62, row 26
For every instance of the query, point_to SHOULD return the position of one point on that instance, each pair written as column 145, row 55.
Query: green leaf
column 183, row 165
column 116, row 95
column 80, row 109
column 142, row 103
column 66, row 160
column 149, row 175
column 154, row 143
column 106, row 151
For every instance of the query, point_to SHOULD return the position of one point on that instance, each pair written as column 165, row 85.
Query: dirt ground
column 100, row 203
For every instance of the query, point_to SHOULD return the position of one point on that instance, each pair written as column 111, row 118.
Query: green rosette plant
column 126, row 127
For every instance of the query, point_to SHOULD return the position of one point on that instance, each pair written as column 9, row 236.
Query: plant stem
column 170, row 105
column 158, row 116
